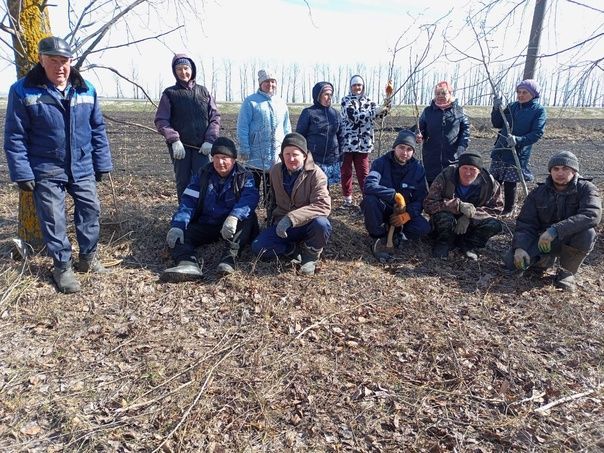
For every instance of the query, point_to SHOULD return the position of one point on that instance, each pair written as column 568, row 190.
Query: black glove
column 27, row 186
column 99, row 176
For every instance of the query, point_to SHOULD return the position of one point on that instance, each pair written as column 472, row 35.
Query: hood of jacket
column 316, row 92
column 350, row 86
column 193, row 67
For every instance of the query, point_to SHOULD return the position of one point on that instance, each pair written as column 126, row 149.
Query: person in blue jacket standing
column 55, row 143
column 444, row 130
column 527, row 119
column 262, row 124
column 218, row 205
column 395, row 172
column 320, row 124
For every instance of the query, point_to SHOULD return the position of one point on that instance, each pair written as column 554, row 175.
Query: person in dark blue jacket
column 395, row 172
column 219, row 203
column 55, row 142
column 444, row 130
column 527, row 119
column 320, row 125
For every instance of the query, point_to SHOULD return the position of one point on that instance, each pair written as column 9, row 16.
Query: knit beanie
column 405, row 137
column 225, row 146
column 531, row 86
column 264, row 75
column 470, row 158
column 565, row 158
column 183, row 60
column 295, row 139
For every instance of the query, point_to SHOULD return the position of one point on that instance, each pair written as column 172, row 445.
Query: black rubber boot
column 182, row 272
column 509, row 198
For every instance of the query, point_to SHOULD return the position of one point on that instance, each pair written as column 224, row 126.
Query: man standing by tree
column 55, row 142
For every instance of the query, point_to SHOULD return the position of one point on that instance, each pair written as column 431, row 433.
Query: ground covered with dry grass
column 417, row 355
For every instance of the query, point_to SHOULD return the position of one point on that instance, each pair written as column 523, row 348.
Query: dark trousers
column 377, row 220
column 477, row 235
column 262, row 182
column 185, row 168
column 198, row 234
column 49, row 198
column 580, row 243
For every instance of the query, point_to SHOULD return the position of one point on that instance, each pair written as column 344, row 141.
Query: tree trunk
column 31, row 23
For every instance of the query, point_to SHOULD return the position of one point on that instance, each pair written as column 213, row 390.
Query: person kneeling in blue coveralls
column 395, row 172
column 298, row 208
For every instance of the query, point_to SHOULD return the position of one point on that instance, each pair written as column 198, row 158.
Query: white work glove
column 205, row 148
column 467, row 209
column 229, row 227
column 511, row 141
column 462, row 225
column 174, row 235
column 497, row 101
column 178, row 150
column 521, row 259
column 282, row 227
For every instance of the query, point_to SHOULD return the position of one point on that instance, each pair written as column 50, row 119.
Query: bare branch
column 115, row 71
column 138, row 41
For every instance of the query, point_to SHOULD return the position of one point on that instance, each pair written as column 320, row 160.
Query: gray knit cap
column 565, row 158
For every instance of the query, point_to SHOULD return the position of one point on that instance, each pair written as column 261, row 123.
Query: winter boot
column 565, row 280
column 90, row 263
column 509, row 198
column 309, row 256
column 441, row 250
column 65, row 278
column 570, row 262
column 227, row 262
column 182, row 272
column 292, row 256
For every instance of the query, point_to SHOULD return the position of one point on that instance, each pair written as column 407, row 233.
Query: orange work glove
column 399, row 220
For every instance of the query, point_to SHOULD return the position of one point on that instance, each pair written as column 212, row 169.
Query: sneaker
column 348, row 204
column 65, row 279
column 441, row 250
column 565, row 280
column 226, row 265
column 92, row 264
column 380, row 251
column 182, row 272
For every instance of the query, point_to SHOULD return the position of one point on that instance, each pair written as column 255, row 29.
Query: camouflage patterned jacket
column 442, row 194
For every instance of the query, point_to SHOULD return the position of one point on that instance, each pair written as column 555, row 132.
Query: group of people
column 55, row 142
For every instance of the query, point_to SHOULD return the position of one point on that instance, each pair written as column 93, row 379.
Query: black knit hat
column 471, row 158
column 224, row 146
column 565, row 158
column 295, row 139
column 405, row 137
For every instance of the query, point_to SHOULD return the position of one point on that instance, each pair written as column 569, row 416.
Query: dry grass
column 419, row 355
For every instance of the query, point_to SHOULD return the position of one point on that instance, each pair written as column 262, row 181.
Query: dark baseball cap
column 54, row 46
